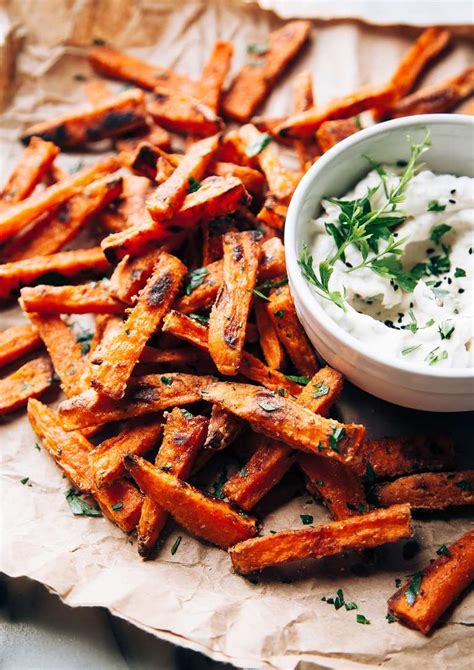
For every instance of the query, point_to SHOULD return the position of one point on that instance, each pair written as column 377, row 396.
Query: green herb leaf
column 259, row 49
column 369, row 474
column 459, row 272
column 85, row 339
column 409, row 350
column 443, row 551
column 351, row 606
column 336, row 436
column 193, row 185
column 446, row 329
column 166, row 380
column 360, row 618
column 117, row 506
column 259, row 145
column 280, row 313
column 25, row 480
column 176, row 544
column 217, row 491
column 398, row 583
column 390, row 618
column 413, row 589
column 78, row 506
column 306, row 519
column 436, row 355
column 434, row 206
column 267, row 406
column 195, row 279
column 321, row 390
column 243, row 472
column 298, row 379
column 200, row 318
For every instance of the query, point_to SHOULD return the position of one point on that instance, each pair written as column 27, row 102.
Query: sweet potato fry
column 111, row 374
column 120, row 502
column 273, row 212
column 144, row 161
column 29, row 381
column 183, row 113
column 256, row 79
column 253, row 180
column 20, row 215
column 147, row 394
column 92, row 298
column 63, row 349
column 121, row 213
column 283, row 419
column 306, row 123
column 214, row 520
column 224, row 427
column 17, row 341
column 229, row 314
column 48, row 268
column 183, row 438
column 233, row 150
column 429, row 490
column 114, row 116
column 282, row 313
column 212, row 238
column 270, row 345
column 420, row 602
column 215, row 197
column 102, row 324
column 322, row 391
column 170, row 195
column 52, row 232
column 152, row 134
column 28, row 172
column 209, row 87
column 138, row 437
column 117, row 65
column 394, row 456
column 131, row 275
column 303, row 99
column 441, row 97
column 330, row 133
column 359, row 532
column 186, row 359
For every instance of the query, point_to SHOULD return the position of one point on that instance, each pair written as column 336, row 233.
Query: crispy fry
column 394, row 456
column 20, row 215
column 120, row 502
column 129, row 207
column 29, row 381
column 330, row 133
column 209, row 88
column 429, row 490
column 283, row 419
column 273, row 212
column 17, row 341
column 47, row 268
column 183, row 113
column 138, row 437
column 183, row 438
column 145, row 159
column 233, row 150
column 115, row 64
column 322, row 391
column 282, row 313
column 252, row 179
column 131, row 275
column 224, row 427
column 215, row 197
column 53, row 232
column 92, row 298
column 111, row 374
column 434, row 99
column 170, row 195
column 153, row 134
column 256, row 79
column 147, row 394
column 214, row 520
column 270, row 345
column 115, row 116
column 229, row 315
column 28, row 172
column 420, row 602
column 306, row 123
column 360, row 532
column 213, row 235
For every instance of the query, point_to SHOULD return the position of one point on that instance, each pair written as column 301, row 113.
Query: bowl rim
column 301, row 288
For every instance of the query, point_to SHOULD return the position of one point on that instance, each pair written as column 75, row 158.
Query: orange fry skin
column 114, row 116
column 330, row 133
column 322, row 391
column 29, row 381
column 223, row 429
column 442, row 581
column 229, row 314
column 183, row 113
column 131, row 275
column 359, row 532
column 209, row 88
column 429, row 490
column 91, row 298
column 121, row 213
column 28, row 172
column 121, row 502
column 145, row 395
column 182, row 440
column 283, row 419
column 272, row 349
column 17, row 341
column 213, row 520
column 303, row 99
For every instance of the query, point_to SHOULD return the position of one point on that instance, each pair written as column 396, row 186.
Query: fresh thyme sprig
column 359, row 225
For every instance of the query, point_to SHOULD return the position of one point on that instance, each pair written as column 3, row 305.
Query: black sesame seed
column 460, row 290
column 437, row 284
column 349, row 265
column 452, row 191
column 395, row 287
column 453, row 202
column 450, row 281
column 430, row 251
column 389, row 323
column 412, row 305
column 470, row 251
column 400, row 313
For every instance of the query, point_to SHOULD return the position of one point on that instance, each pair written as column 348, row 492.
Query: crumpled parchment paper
column 192, row 598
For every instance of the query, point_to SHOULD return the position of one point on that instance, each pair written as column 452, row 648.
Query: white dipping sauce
column 378, row 312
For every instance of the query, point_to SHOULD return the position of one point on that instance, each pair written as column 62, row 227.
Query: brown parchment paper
column 193, row 598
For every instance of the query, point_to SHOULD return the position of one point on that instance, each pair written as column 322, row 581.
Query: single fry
column 28, row 172
column 359, row 532
column 114, row 116
column 282, row 313
column 252, row 179
column 183, row 438
column 283, row 419
column 17, row 341
column 209, row 87
column 420, row 602
column 322, row 391
column 213, row 520
column 29, row 381
column 255, row 80
column 429, row 490
column 120, row 502
column 146, row 394
column 229, row 315
column 110, row 375
column 270, row 344
column 43, row 268
column 223, row 428
column 183, row 113
column 106, row 460
column 121, row 213
column 92, row 298
column 131, row 275
column 330, row 133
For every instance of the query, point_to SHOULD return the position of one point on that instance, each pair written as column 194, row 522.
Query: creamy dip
column 432, row 324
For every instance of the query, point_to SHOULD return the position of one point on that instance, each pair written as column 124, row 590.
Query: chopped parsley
column 435, row 356
column 446, row 329
column 25, row 480
column 217, row 491
column 413, row 589
column 443, row 551
column 84, row 339
column 390, row 618
column 321, row 390
column 78, row 506
column 306, row 519
column 279, row 313
column 434, row 206
column 262, row 290
column 459, row 272
column 409, row 350
column 360, row 618
column 298, row 379
column 369, row 474
column 267, row 406
column 398, row 583
column 195, row 279
column 166, row 380
column 176, row 544
column 243, row 472
column 193, row 185
column 336, row 436
column 258, row 49
column 438, row 232
column 200, row 318
column 117, row 506
column 259, row 145
column 37, row 446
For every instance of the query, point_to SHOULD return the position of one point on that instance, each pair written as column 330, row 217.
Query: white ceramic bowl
column 415, row 386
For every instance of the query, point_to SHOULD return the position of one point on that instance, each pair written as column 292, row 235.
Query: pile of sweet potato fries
column 197, row 346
